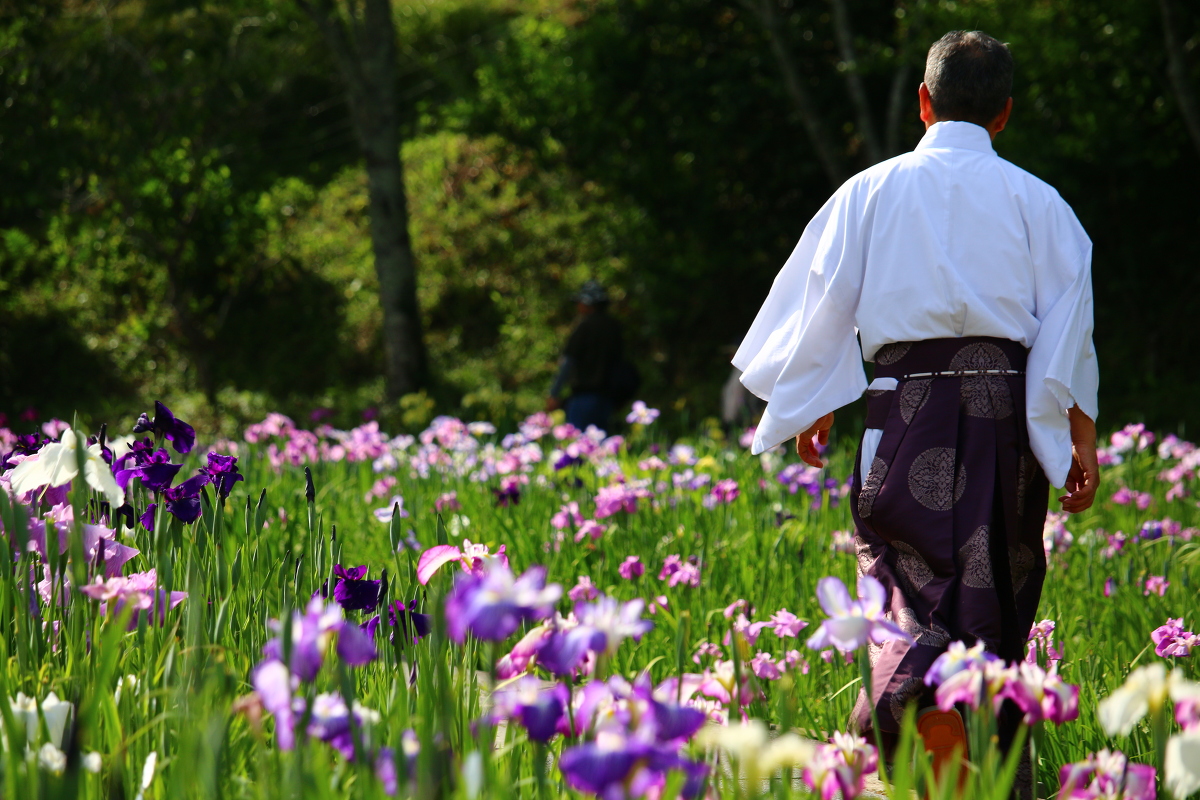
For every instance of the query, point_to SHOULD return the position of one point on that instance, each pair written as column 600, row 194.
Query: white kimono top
column 947, row 241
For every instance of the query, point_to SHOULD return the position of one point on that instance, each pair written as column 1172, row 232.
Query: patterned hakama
column 949, row 516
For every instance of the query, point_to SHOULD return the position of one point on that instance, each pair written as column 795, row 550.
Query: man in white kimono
column 968, row 283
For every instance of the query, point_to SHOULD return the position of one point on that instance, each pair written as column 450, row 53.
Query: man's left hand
column 806, row 449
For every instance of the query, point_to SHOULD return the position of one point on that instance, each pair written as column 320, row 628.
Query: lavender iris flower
column 853, row 623
column 538, row 709
column 491, row 605
column 311, row 633
column 634, row 746
column 181, row 435
column 222, row 472
column 353, row 591
column 563, row 651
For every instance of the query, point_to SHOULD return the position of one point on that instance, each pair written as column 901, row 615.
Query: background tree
column 362, row 38
column 186, row 198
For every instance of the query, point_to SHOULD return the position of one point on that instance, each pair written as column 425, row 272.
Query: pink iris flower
column 840, row 766
column 1041, row 695
column 472, row 557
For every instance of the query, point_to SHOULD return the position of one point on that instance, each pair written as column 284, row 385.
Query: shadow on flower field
column 545, row 613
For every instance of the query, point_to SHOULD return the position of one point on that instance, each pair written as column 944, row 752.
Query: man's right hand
column 1083, row 479
column 806, row 449
column 553, row 404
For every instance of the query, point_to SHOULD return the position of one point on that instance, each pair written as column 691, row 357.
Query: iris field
column 543, row 613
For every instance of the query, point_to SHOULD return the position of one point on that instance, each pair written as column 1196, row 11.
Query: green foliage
column 501, row 243
column 151, row 152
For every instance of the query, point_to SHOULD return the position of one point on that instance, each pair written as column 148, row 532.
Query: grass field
column 161, row 695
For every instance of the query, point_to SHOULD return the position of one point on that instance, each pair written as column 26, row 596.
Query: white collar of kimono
column 954, row 133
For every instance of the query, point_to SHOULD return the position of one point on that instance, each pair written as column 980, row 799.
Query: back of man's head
column 969, row 76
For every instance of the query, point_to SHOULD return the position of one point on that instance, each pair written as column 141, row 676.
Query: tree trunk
column 824, row 145
column 1177, row 72
column 854, row 83
column 364, row 46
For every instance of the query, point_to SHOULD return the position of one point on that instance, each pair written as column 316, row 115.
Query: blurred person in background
column 967, row 281
column 592, row 363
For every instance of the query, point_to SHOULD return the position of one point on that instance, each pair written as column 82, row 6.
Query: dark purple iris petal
column 147, row 517
column 26, row 445
column 507, row 495
column 223, row 472
column 566, row 460
column 184, row 500
column 354, row 647
column 155, row 477
column 676, row 722
column 140, row 452
column 541, row 719
column 562, row 653
column 353, row 592
column 415, row 625
column 181, row 435
column 589, row 768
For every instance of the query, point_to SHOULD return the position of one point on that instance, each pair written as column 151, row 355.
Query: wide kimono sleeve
column 1062, row 370
column 801, row 354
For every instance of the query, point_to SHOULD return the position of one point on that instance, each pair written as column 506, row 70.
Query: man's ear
column 927, row 115
column 1001, row 119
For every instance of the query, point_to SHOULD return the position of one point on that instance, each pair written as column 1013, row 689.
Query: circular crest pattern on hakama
column 933, row 636
column 913, row 569
column 864, row 554
column 907, row 691
column 1021, row 562
column 1024, row 475
column 976, row 560
column 871, row 486
column 933, row 481
column 913, row 395
column 986, row 396
column 891, row 353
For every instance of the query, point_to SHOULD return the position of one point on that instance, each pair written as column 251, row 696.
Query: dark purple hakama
column 949, row 516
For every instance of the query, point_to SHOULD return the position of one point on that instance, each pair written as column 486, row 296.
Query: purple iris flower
column 538, row 709
column 509, row 493
column 1107, row 774
column 491, row 605
column 353, row 591
column 181, row 435
column 184, row 500
column 616, row 758
column 311, row 632
column 416, row 625
column 147, row 517
column 153, row 467
column 222, row 472
column 563, row 651
column 25, row 445
column 602, row 764
column 274, row 684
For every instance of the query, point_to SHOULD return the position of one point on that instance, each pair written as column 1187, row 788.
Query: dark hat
column 592, row 293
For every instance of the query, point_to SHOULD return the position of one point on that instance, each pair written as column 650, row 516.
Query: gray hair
column 969, row 76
